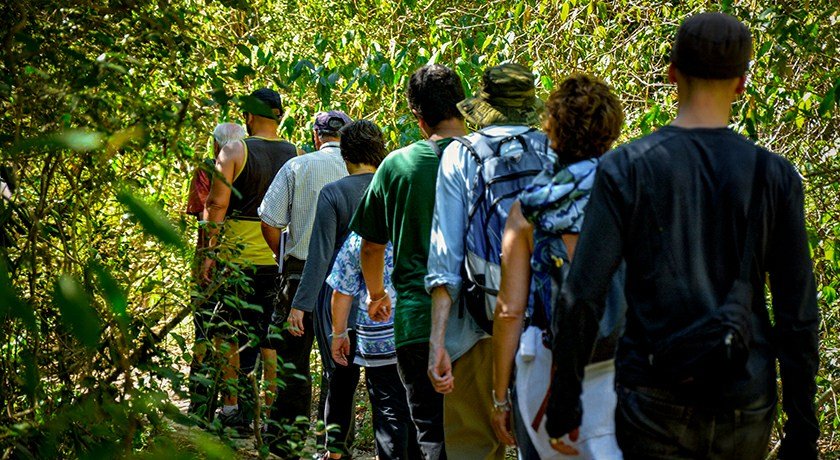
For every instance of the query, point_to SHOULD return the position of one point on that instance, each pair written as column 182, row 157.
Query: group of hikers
column 517, row 285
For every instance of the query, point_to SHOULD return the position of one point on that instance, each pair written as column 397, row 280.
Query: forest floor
column 363, row 442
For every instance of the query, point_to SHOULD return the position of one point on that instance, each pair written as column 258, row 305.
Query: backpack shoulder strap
column 470, row 148
column 435, row 148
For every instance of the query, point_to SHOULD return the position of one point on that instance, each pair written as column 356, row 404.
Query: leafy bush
column 107, row 107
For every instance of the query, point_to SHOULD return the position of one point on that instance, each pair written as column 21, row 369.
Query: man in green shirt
column 398, row 208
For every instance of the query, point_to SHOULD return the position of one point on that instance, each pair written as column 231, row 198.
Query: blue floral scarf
column 554, row 203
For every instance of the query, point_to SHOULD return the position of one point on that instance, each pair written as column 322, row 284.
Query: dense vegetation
column 106, row 108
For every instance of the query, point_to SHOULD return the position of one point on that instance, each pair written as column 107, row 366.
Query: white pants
column 597, row 430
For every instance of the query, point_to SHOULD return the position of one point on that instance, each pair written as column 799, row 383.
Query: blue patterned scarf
column 554, row 203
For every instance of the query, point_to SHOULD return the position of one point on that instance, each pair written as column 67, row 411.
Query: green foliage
column 107, row 107
column 153, row 221
column 76, row 312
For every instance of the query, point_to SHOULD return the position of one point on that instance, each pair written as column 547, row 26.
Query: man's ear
column 672, row 74
column 742, row 85
column 425, row 129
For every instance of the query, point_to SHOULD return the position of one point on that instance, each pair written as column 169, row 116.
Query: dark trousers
column 396, row 436
column 247, row 326
column 340, row 401
column 650, row 424
column 294, row 394
column 425, row 404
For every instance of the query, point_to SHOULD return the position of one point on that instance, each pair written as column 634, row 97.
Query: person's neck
column 327, row 140
column 704, row 110
column 268, row 132
column 451, row 127
column 361, row 168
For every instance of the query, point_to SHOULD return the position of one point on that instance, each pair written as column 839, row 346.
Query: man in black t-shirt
column 676, row 206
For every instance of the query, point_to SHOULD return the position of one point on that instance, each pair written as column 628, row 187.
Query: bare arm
column 340, row 346
column 440, row 364
column 341, row 304
column 570, row 240
column 373, row 270
column 271, row 235
column 517, row 242
column 373, row 267
column 517, row 246
column 228, row 162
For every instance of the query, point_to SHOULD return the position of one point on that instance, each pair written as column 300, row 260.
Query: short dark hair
column 583, row 118
column 433, row 92
column 362, row 142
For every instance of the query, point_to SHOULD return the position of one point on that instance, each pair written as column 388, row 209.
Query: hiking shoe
column 237, row 421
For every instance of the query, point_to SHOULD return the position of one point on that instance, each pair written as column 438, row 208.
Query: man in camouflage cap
column 460, row 359
column 507, row 97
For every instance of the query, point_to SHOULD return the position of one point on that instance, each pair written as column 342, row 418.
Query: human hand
column 379, row 308
column 340, row 347
column 440, row 369
column 295, row 321
column 205, row 275
column 500, row 420
column 561, row 446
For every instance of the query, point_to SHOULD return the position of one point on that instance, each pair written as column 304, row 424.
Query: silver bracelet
column 503, row 405
column 343, row 335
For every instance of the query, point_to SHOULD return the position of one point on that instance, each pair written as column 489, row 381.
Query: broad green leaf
column 80, row 140
column 828, row 102
column 77, row 314
column 244, row 50
column 30, row 373
column 152, row 219
column 243, row 71
column 122, row 137
column 564, row 11
column 255, row 106
column 113, row 294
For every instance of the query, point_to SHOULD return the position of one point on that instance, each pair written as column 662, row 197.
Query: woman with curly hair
column 583, row 118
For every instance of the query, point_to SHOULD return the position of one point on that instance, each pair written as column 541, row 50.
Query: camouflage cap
column 507, row 97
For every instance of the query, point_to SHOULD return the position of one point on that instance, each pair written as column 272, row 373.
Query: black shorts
column 241, row 310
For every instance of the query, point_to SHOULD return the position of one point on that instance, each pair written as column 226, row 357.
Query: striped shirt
column 293, row 194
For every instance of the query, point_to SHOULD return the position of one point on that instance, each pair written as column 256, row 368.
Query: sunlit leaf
column 80, row 140
column 151, row 218
column 124, row 136
column 77, row 314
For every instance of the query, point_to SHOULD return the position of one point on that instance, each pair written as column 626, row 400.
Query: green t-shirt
column 398, row 207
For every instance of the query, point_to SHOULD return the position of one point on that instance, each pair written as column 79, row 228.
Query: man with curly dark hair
column 701, row 216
